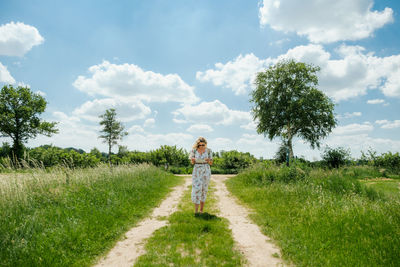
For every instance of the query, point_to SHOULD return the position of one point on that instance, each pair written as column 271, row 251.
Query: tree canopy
column 19, row 116
column 288, row 104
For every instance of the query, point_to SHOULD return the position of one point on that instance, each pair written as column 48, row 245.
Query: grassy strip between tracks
column 69, row 217
column 191, row 240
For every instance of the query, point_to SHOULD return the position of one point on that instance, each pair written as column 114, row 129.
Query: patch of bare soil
column 253, row 244
column 126, row 251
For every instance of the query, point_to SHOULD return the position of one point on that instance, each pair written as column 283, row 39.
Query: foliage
column 170, row 155
column 281, row 154
column 233, row 160
column 336, row 157
column 48, row 156
column 288, row 104
column 112, row 130
column 388, row 160
column 19, row 117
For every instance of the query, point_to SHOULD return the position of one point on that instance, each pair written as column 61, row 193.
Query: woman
column 201, row 158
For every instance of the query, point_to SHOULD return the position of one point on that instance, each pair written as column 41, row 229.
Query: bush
column 389, row 161
column 336, row 157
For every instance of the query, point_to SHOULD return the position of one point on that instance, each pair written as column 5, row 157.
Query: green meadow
column 323, row 217
column 68, row 217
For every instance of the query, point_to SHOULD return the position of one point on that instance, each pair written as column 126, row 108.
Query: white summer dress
column 201, row 176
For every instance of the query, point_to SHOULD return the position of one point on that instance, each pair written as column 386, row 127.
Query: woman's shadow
column 207, row 216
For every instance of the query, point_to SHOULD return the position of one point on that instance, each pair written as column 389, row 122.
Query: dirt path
column 250, row 240
column 128, row 250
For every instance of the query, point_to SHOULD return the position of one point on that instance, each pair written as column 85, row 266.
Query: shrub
column 336, row 157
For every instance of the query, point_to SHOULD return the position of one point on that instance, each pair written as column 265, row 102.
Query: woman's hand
column 209, row 161
column 193, row 160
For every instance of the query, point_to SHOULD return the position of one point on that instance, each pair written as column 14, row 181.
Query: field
column 318, row 217
column 325, row 218
column 69, row 217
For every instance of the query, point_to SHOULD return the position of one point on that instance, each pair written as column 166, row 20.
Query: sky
column 177, row 70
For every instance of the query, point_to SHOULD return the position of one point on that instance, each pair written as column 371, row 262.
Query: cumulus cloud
column 363, row 142
column 72, row 132
column 353, row 128
column 352, row 75
column 16, row 39
column 149, row 123
column 135, row 129
column 146, row 142
column 213, row 112
column 349, row 115
column 324, row 21
column 200, row 128
column 127, row 109
column 129, row 81
column 385, row 124
column 375, row 101
column 241, row 72
column 251, row 126
column 5, row 76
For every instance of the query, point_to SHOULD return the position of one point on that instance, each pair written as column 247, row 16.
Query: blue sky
column 176, row 70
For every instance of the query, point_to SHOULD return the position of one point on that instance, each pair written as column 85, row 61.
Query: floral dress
column 200, row 176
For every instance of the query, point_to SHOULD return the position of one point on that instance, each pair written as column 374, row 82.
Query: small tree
column 336, row 157
column 112, row 131
column 19, row 117
column 288, row 104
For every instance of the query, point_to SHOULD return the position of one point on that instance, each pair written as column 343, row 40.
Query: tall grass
column 325, row 218
column 69, row 217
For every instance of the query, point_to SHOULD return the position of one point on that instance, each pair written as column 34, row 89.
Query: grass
column 69, row 217
column 192, row 241
column 390, row 188
column 330, row 220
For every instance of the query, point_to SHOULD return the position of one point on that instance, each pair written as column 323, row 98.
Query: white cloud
column 16, row 39
column 149, row 123
column 237, row 75
column 200, row 128
column 211, row 113
column 135, row 129
column 251, row 126
column 349, row 115
column 375, row 101
column 353, row 129
column 126, row 109
column 324, row 21
column 146, row 142
column 5, row 76
column 40, row 92
column 352, row 75
column 385, row 124
column 131, row 82
column 363, row 142
column 72, row 132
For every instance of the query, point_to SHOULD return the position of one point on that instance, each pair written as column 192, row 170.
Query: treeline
column 170, row 158
column 176, row 160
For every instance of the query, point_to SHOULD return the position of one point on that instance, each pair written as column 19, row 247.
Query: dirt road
column 248, row 237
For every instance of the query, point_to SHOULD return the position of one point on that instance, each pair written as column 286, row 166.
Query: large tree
column 287, row 103
column 19, row 117
column 112, row 131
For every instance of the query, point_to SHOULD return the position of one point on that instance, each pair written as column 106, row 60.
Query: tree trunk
column 109, row 153
column 290, row 145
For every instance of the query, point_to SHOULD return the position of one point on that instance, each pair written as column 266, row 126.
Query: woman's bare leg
column 196, row 208
column 201, row 207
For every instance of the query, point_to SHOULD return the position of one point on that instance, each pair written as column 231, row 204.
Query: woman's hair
column 199, row 140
